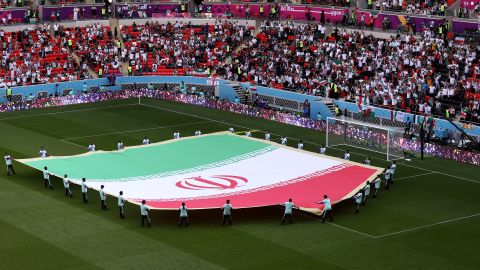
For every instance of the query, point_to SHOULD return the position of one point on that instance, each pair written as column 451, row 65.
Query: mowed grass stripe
column 96, row 239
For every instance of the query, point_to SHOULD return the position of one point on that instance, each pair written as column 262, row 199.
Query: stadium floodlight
column 370, row 137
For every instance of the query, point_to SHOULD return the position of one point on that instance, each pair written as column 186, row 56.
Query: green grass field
column 430, row 219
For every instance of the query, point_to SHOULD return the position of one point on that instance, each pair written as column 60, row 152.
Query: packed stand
column 179, row 49
column 33, row 56
column 430, row 74
column 424, row 7
column 97, row 47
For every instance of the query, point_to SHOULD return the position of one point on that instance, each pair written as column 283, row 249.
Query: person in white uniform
column 227, row 212
column 103, row 197
column 267, row 135
column 289, row 206
column 183, row 215
column 377, row 184
column 327, row 209
column 84, row 190
column 46, row 178
column 8, row 163
column 358, row 200
column 283, row 140
column 121, row 205
column 144, row 212
column 66, row 185
column 366, row 193
column 42, row 153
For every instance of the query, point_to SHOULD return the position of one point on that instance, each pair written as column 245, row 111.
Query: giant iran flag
column 206, row 170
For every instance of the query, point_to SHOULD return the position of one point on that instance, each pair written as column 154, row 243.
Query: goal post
column 369, row 137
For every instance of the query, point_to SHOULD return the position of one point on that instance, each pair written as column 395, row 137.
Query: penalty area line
column 337, row 225
column 429, row 225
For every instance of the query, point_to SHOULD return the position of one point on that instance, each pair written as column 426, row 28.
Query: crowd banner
column 143, row 10
column 17, row 15
column 85, row 12
column 236, row 10
column 459, row 26
column 397, row 20
column 332, row 15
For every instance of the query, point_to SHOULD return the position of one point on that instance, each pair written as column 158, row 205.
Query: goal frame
column 388, row 131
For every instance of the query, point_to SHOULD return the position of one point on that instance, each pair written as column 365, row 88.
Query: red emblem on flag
column 213, row 182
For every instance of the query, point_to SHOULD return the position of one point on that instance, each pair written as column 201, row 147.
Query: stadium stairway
column 329, row 103
column 240, row 92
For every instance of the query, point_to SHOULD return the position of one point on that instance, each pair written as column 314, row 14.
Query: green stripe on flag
column 165, row 159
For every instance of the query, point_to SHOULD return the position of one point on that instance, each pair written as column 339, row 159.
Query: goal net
column 369, row 137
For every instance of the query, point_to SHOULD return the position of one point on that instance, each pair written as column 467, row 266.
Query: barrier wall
column 399, row 19
column 17, row 14
column 459, row 26
column 226, row 89
column 66, row 12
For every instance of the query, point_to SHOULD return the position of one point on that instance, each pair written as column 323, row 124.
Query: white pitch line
column 352, row 230
column 446, row 174
column 135, row 130
column 337, row 225
column 223, row 122
column 61, row 112
column 72, row 143
column 429, row 225
column 413, row 176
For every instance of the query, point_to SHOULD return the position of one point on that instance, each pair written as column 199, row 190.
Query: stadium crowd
column 427, row 73
column 179, row 48
column 34, row 56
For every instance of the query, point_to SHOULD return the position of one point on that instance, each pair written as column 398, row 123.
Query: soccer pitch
column 428, row 219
